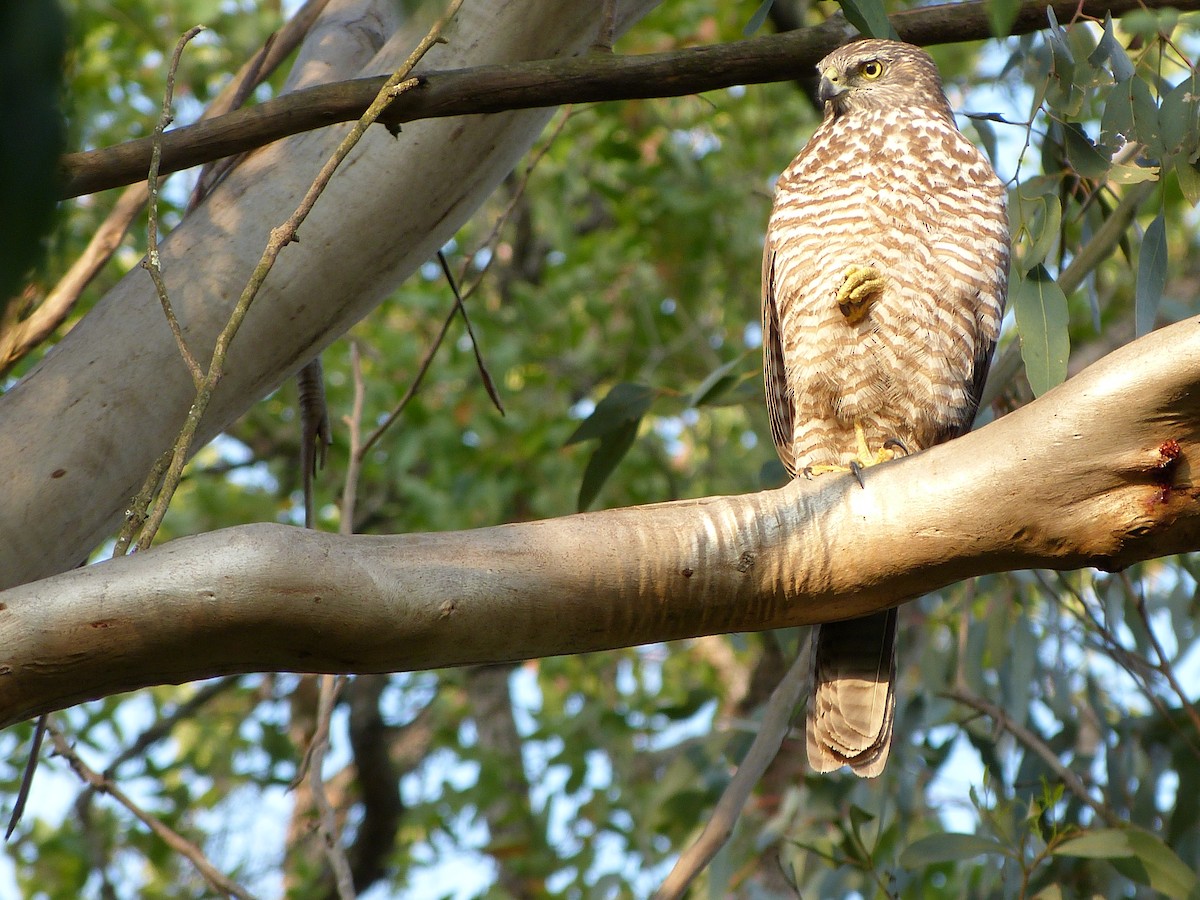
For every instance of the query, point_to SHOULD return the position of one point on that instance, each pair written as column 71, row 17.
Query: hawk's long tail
column 853, row 694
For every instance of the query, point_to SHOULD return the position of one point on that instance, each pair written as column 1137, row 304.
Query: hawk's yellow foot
column 861, row 286
column 864, row 458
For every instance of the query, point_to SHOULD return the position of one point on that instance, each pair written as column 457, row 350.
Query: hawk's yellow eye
column 871, row 69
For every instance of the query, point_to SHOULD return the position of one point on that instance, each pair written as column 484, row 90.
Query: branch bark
column 547, row 83
column 1098, row 472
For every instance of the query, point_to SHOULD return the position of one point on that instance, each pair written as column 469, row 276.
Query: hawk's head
column 877, row 74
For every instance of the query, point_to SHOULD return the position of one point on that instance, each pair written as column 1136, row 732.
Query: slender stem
column 169, row 836
column 152, row 262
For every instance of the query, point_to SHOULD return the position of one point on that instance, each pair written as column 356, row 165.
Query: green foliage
column 1040, row 308
column 625, row 282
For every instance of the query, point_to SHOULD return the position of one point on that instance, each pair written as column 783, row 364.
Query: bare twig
column 413, row 386
column 1164, row 666
column 331, row 686
column 151, row 263
column 488, row 384
column 1031, row 741
column 169, row 836
column 776, row 722
column 460, row 297
column 494, row 235
column 281, row 236
column 354, row 425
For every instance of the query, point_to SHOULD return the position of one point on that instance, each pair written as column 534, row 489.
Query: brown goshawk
column 884, row 277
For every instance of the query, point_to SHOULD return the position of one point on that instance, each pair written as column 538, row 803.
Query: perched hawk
column 884, row 277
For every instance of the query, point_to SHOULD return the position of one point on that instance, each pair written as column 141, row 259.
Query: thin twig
column 280, row 237
column 354, row 426
column 1164, row 666
column 135, row 515
column 169, row 836
column 1139, row 669
column 331, row 686
column 459, row 298
column 152, row 263
column 776, row 722
column 488, row 384
column 1031, row 741
column 502, row 220
column 413, row 386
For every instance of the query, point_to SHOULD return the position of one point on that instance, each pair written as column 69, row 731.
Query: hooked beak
column 832, row 85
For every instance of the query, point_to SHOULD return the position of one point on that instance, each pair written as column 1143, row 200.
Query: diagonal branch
column 1097, row 472
column 173, row 839
column 545, row 83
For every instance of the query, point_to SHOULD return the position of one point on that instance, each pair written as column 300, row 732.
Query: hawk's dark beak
column 832, row 85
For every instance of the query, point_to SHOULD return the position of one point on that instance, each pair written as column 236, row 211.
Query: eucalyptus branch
column 1094, row 473
column 546, row 83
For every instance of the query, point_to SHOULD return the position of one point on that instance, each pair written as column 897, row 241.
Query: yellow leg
column 863, row 458
column 861, row 286
column 866, row 458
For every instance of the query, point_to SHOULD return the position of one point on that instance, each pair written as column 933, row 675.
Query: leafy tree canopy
column 1048, row 742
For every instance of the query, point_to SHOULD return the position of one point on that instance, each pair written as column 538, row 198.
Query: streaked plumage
column 887, row 182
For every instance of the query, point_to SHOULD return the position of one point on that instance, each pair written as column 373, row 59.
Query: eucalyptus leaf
column 948, row 847
column 1082, row 153
column 1040, row 308
column 1151, row 275
column 756, row 20
column 1110, row 51
column 604, row 459
column 626, row 402
column 1180, row 116
column 869, row 17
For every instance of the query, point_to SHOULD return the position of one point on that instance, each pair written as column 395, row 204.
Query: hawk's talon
column 898, row 444
column 856, row 470
column 861, row 287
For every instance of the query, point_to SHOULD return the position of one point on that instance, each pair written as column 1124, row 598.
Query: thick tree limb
column 1098, row 472
column 546, row 83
